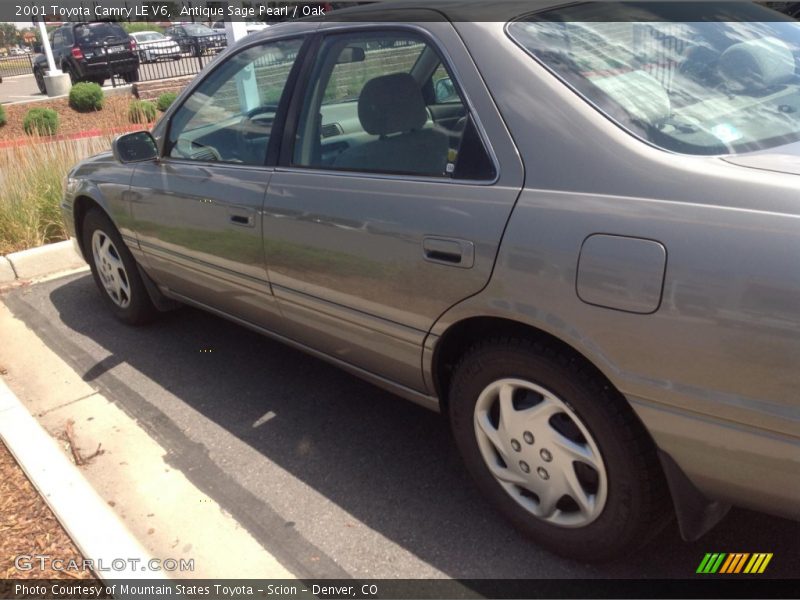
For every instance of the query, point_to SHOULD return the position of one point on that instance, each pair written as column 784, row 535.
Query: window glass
column 714, row 79
column 371, row 107
column 229, row 116
column 99, row 32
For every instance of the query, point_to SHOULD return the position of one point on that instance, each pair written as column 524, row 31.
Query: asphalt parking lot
column 348, row 479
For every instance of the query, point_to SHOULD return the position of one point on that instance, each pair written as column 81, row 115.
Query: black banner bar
column 270, row 11
column 399, row 589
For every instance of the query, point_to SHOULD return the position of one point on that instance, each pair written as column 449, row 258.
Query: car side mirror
column 135, row 147
column 444, row 90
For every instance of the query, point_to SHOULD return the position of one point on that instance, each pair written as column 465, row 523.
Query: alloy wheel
column 111, row 269
column 540, row 452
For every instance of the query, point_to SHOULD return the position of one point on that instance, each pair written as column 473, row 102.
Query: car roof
column 454, row 10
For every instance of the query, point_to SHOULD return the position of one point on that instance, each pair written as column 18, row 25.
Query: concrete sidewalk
column 126, row 502
column 22, row 88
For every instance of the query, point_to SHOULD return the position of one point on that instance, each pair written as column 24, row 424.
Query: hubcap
column 110, row 269
column 558, row 475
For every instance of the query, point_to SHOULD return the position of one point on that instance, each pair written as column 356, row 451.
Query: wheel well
column 461, row 336
column 80, row 207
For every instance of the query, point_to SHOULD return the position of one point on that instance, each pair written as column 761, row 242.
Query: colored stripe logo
column 734, row 563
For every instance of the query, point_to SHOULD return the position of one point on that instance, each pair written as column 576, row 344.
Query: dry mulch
column 112, row 117
column 28, row 527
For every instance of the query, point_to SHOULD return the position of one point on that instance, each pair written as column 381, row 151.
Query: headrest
column 391, row 104
column 639, row 93
column 757, row 64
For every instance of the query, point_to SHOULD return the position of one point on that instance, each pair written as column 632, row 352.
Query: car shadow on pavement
column 389, row 464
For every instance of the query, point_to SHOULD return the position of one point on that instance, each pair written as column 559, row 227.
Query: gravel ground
column 114, row 114
column 29, row 527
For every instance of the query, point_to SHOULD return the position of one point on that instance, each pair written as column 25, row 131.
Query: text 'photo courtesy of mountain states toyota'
column 574, row 232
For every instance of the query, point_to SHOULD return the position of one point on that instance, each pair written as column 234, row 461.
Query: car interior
column 378, row 102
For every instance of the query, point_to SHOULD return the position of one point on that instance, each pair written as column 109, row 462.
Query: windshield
column 724, row 83
column 198, row 30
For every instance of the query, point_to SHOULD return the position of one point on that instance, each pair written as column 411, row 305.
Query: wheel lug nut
column 545, row 454
column 543, row 473
column 524, row 466
column 528, row 437
column 516, row 445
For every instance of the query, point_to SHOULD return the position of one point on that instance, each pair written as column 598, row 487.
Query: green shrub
column 141, row 111
column 165, row 100
column 40, row 121
column 85, row 97
column 2, row 115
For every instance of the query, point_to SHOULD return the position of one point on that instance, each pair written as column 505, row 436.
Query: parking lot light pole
column 56, row 82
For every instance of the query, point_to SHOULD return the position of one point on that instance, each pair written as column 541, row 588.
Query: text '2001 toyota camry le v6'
column 574, row 231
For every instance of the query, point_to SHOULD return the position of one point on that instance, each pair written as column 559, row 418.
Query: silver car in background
column 573, row 229
column 153, row 46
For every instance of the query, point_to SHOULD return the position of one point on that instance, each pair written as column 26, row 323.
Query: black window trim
column 292, row 122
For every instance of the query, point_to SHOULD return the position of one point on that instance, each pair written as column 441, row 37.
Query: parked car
column 93, row 51
column 155, row 46
column 250, row 26
column 574, row 232
column 196, row 39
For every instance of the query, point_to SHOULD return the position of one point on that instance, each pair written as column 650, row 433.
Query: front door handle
column 242, row 220
column 449, row 251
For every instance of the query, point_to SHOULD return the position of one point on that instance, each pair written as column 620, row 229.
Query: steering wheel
column 257, row 122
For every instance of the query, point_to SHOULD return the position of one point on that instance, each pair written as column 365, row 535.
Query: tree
column 8, row 35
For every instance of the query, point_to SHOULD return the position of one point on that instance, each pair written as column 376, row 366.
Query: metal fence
column 168, row 59
column 664, row 46
column 16, row 65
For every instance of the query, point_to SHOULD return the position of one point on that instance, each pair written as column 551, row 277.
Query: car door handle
column 449, row 251
column 241, row 220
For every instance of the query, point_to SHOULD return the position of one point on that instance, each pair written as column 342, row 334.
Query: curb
column 41, row 261
column 88, row 520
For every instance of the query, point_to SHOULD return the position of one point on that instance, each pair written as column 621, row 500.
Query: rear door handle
column 449, row 251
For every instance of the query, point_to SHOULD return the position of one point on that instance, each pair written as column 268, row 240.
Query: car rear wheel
column 556, row 449
column 130, row 76
column 114, row 270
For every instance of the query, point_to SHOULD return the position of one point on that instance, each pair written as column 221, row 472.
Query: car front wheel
column 556, row 449
column 114, row 270
column 39, row 77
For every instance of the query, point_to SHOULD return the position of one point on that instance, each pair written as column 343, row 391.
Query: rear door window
column 371, row 107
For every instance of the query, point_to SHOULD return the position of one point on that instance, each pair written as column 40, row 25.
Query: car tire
column 73, row 75
column 131, row 76
column 39, row 77
column 115, row 270
column 580, row 438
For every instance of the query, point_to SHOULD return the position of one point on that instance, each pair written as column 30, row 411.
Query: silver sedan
column 574, row 230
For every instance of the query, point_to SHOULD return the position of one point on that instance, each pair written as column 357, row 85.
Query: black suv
column 91, row 52
column 196, row 38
